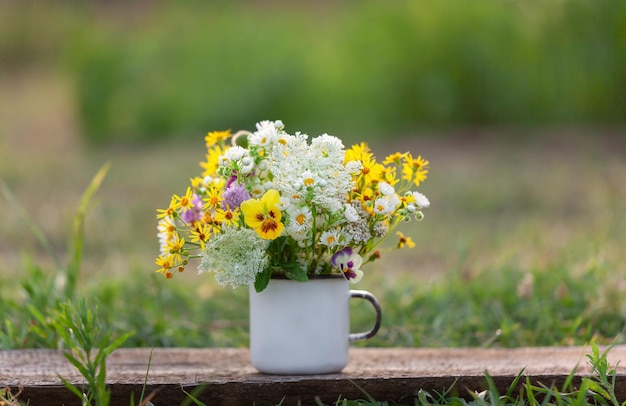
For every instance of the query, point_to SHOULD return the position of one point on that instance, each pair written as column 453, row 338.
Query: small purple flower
column 195, row 213
column 348, row 263
column 234, row 195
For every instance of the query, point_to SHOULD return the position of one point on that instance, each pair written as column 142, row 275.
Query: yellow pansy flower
column 263, row 215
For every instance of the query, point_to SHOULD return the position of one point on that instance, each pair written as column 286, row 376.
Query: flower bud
column 419, row 216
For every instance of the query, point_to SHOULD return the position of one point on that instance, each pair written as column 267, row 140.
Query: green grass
column 530, row 256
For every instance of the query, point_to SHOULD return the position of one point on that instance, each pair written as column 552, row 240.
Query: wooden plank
column 229, row 379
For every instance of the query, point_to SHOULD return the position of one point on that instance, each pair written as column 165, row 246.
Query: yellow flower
column 169, row 212
column 196, row 182
column 394, row 158
column 414, row 169
column 175, row 247
column 185, row 201
column 201, row 234
column 371, row 171
column 212, row 161
column 404, row 241
column 213, row 137
column 213, row 199
column 389, row 175
column 227, row 216
column 165, row 262
column 357, row 152
column 263, row 215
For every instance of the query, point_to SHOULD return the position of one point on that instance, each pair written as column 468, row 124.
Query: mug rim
column 311, row 277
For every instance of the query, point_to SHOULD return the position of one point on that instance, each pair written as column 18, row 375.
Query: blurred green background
column 146, row 70
column 520, row 106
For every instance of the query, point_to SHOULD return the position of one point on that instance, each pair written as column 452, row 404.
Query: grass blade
column 76, row 237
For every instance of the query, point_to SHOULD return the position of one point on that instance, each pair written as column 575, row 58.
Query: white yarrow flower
column 235, row 257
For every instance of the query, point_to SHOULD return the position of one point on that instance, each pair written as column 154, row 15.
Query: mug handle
column 363, row 294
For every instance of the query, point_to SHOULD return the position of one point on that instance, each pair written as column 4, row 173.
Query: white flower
column 298, row 233
column 330, row 238
column 328, row 146
column 265, row 134
column 349, row 263
column 354, row 167
column 308, row 179
column 164, row 235
column 247, row 165
column 386, row 189
column 235, row 257
column 301, row 218
column 350, row 213
column 257, row 190
column 421, row 201
column 236, row 153
column 386, row 204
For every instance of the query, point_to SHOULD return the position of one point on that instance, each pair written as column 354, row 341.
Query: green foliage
column 89, row 344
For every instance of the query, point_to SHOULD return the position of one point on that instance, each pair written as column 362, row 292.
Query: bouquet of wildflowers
column 272, row 203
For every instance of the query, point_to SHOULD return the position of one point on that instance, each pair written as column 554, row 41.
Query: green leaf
column 262, row 279
column 192, row 396
column 71, row 387
column 296, row 273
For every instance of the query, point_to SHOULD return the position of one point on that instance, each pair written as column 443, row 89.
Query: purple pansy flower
column 349, row 263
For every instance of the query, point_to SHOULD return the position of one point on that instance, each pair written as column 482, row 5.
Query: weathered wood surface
column 386, row 374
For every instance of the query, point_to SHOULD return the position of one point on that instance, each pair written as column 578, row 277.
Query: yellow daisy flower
column 201, row 234
column 213, row 199
column 185, row 201
column 212, row 161
column 414, row 169
column 213, row 137
column 357, row 152
column 394, row 158
column 170, row 211
column 165, row 262
column 404, row 241
column 175, row 247
column 227, row 216
column 371, row 171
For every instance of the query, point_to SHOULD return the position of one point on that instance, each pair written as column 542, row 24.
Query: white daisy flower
column 330, row 238
column 301, row 218
column 421, row 201
column 386, row 189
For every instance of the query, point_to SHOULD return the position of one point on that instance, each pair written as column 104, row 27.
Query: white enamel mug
column 301, row 328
